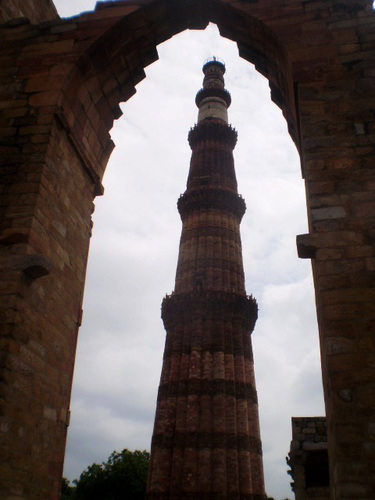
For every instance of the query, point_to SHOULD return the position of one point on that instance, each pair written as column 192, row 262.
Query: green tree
column 124, row 475
column 67, row 490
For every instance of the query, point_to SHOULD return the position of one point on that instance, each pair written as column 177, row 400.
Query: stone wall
column 35, row 10
column 60, row 87
column 43, row 254
column 308, row 458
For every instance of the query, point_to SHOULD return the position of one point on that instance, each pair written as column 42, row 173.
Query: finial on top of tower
column 213, row 61
column 213, row 99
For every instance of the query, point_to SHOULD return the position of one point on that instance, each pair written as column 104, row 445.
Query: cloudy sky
column 134, row 250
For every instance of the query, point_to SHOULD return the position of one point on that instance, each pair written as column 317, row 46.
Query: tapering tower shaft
column 206, row 441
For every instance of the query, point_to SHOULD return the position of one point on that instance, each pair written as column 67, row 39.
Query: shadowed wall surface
column 61, row 83
column 35, row 10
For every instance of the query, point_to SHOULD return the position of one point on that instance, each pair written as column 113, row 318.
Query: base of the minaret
column 206, row 441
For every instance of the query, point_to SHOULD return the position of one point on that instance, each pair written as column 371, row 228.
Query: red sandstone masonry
column 34, row 9
column 213, row 413
column 319, row 58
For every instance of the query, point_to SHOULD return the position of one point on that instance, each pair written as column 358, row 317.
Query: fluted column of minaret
column 210, row 248
column 206, row 441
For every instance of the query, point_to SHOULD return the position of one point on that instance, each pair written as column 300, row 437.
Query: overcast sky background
column 134, row 251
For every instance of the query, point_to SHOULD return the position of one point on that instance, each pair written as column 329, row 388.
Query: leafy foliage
column 124, row 475
column 67, row 491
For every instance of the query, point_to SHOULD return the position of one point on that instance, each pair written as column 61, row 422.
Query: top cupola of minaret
column 213, row 100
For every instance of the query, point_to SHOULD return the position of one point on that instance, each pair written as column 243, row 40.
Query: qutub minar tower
column 206, row 441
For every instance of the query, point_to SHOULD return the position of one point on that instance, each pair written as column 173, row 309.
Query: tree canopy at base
column 124, row 475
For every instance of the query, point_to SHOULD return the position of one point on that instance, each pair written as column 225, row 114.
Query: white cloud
column 134, row 253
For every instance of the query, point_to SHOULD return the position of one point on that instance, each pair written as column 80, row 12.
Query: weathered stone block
column 328, row 213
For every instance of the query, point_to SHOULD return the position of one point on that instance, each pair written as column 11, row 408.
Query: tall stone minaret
column 206, row 441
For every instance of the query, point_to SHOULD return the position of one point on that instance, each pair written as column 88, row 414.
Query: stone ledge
column 34, row 265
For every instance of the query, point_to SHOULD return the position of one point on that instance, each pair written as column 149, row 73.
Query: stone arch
column 106, row 85
column 59, row 100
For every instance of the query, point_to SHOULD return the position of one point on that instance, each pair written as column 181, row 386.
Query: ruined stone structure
column 308, row 458
column 61, row 83
column 206, row 441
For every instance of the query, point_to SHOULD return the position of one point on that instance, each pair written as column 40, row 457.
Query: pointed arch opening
column 63, row 82
column 148, row 170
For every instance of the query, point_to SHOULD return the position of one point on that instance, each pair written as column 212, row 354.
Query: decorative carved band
column 209, row 303
column 213, row 92
column 240, row 346
column 194, row 387
column 219, row 199
column 211, row 440
column 212, row 131
column 224, row 233
column 218, row 261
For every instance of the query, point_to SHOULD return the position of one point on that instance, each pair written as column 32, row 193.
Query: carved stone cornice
column 213, row 92
column 178, row 308
column 197, row 387
column 212, row 131
column 211, row 440
column 206, row 198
